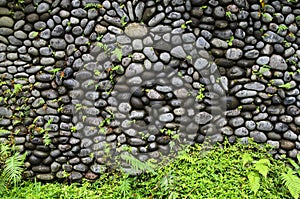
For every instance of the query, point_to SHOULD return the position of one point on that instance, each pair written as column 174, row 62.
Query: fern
column 246, row 158
column 292, row 182
column 254, row 181
column 13, row 168
column 136, row 164
column 125, row 186
column 262, row 166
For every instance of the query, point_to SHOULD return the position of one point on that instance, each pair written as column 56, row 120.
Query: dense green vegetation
column 230, row 171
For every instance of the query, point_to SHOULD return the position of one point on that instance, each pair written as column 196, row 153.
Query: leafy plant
column 230, row 40
column 93, row 5
column 265, row 68
column 281, row 28
column 257, row 169
column 292, row 1
column 184, row 25
column 123, row 21
column 35, row 34
column 201, row 95
column 267, row 16
column 17, row 89
column 286, row 85
column 138, row 165
column 228, row 14
column 203, row 7
column 195, row 173
column 73, row 129
column 118, row 53
column 291, row 181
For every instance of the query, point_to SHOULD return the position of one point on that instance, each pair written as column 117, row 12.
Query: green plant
column 196, row 172
column 73, row 129
column 184, row 25
column 286, row 85
column 103, row 46
column 35, row 34
column 292, row 1
column 138, row 165
column 230, row 40
column 118, row 53
column 281, row 28
column 123, row 22
column 298, row 18
column 228, row 14
column 203, row 7
column 267, row 16
column 200, row 95
column 189, row 58
column 11, row 164
column 17, row 89
column 93, row 5
column 291, row 181
column 265, row 68
column 256, row 169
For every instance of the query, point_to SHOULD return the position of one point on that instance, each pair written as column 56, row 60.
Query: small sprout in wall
column 79, row 107
column 230, row 40
column 228, row 14
column 240, row 108
column 55, row 70
column 93, row 5
column 292, row 1
column 292, row 35
column 34, row 34
column 99, row 37
column 184, row 25
column 286, row 44
column 203, row 7
column 60, row 109
column 83, row 118
column 298, row 18
column 267, row 16
column 286, row 85
column 189, row 58
column 262, row 70
column 123, row 22
column 281, row 28
column 17, row 89
column 180, row 74
column 46, row 139
column 122, row 5
column 73, row 129
column 118, row 53
column 200, row 95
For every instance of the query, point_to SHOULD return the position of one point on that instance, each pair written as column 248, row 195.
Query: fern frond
column 292, row 182
column 246, row 158
column 13, row 168
column 125, row 186
column 262, row 166
column 254, row 181
column 136, row 164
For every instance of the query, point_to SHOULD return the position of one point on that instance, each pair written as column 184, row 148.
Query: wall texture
column 83, row 82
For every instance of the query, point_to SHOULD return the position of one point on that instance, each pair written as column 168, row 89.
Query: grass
column 196, row 173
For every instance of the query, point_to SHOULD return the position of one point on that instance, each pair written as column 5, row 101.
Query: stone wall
column 85, row 82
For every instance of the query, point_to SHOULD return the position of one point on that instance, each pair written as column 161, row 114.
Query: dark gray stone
column 258, row 136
